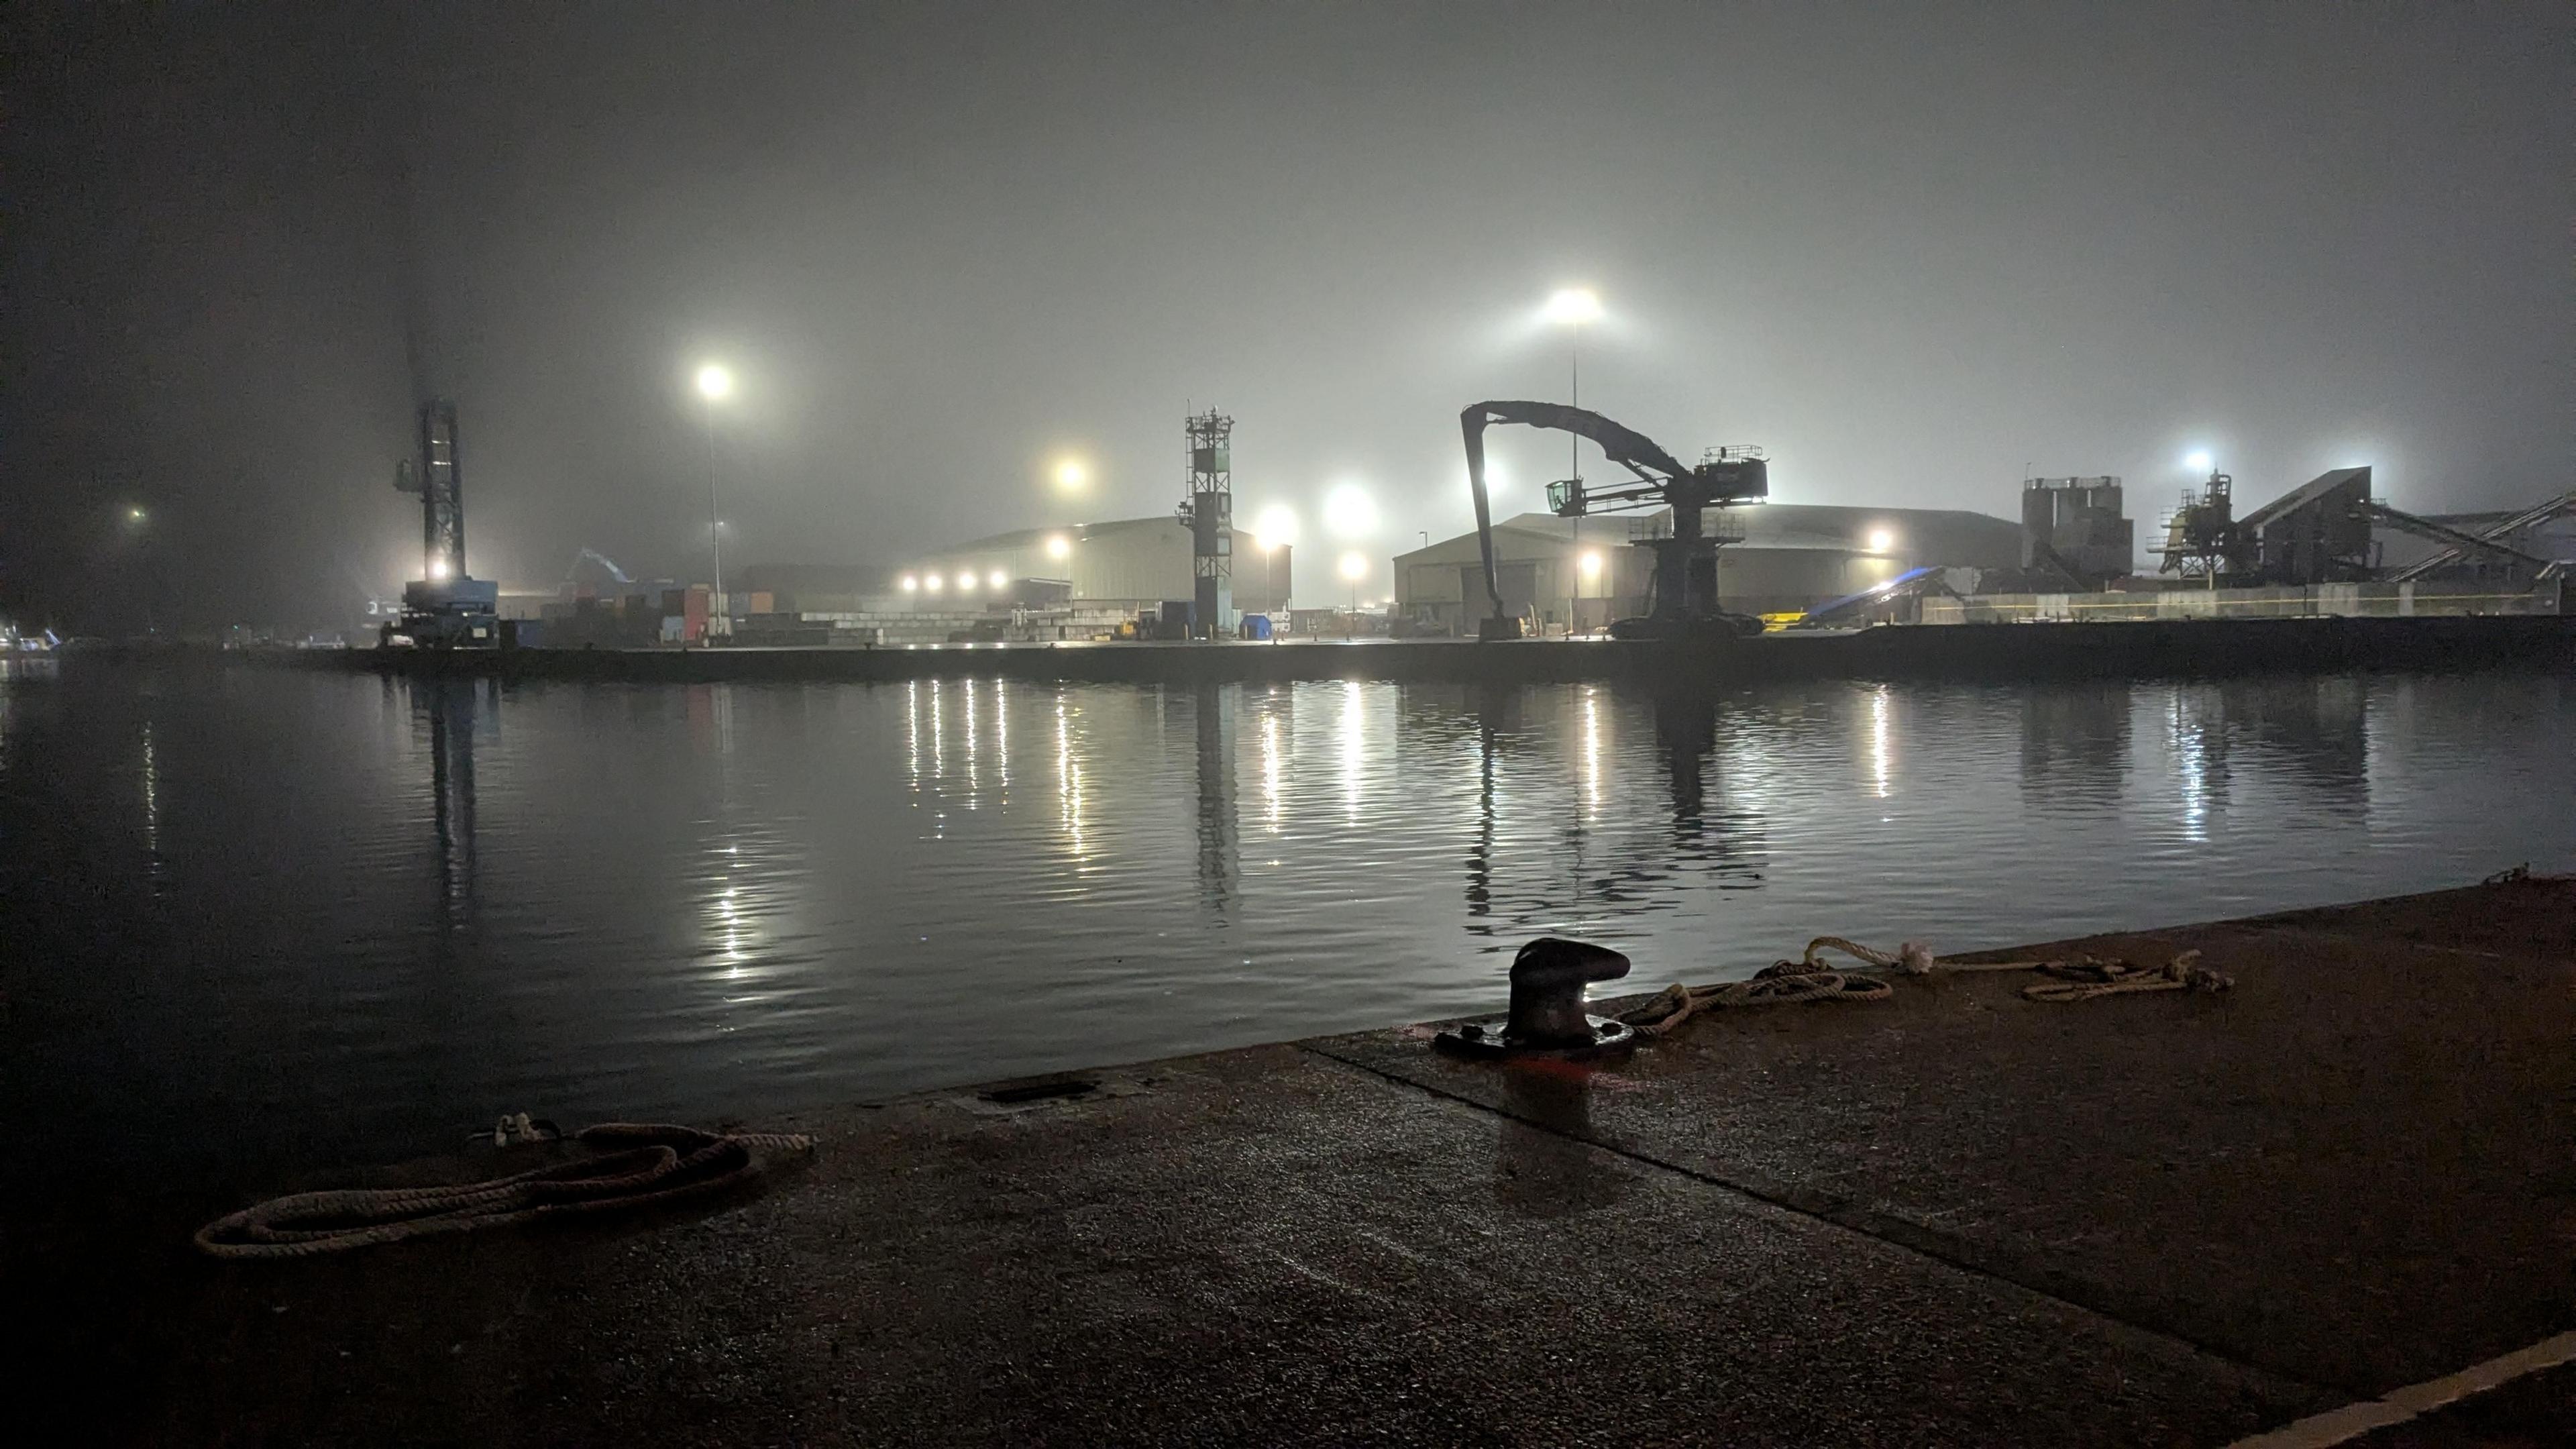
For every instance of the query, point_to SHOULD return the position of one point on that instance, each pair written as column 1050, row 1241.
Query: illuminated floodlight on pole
column 715, row 384
column 2199, row 460
column 1354, row 569
column 1570, row 308
column 1273, row 529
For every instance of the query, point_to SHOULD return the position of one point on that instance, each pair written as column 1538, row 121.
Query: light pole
column 1354, row 568
column 1574, row 306
column 715, row 384
column 1274, row 530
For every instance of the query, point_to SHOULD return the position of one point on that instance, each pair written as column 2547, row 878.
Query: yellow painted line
column 2340, row 1426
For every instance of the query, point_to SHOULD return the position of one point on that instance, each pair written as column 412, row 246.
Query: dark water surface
column 277, row 912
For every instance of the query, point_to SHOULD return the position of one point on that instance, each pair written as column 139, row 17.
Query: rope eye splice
column 1547, row 1019
column 638, row 1165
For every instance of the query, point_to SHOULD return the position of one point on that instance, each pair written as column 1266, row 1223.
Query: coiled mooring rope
column 649, row 1163
column 1809, row 979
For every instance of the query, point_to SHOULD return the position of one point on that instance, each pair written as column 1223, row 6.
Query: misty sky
column 1914, row 250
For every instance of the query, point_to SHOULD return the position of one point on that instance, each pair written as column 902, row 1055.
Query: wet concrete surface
column 1953, row 1217
column 2354, row 1168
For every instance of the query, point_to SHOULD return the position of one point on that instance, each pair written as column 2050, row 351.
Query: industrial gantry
column 1208, row 511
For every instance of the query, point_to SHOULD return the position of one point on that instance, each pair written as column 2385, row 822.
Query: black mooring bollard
column 1548, row 978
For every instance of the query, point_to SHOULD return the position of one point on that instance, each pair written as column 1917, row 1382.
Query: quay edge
column 1988, row 652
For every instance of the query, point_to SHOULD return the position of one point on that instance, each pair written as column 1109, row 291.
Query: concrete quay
column 1953, row 1217
column 2001, row 652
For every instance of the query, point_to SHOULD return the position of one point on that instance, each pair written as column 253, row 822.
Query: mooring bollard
column 1547, row 1016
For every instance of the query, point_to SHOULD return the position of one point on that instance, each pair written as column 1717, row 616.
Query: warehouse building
column 1776, row 558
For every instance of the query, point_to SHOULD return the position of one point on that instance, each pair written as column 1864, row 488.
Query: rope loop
column 643, row 1163
column 1811, row 978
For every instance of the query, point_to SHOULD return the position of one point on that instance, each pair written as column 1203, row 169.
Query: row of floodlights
column 1057, row 547
column 966, row 580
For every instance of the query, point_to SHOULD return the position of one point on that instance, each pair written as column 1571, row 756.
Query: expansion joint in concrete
column 1876, row 1227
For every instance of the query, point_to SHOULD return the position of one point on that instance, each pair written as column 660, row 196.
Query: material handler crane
column 1683, row 602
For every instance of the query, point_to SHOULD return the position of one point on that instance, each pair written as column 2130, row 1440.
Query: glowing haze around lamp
column 1574, row 306
column 1276, row 526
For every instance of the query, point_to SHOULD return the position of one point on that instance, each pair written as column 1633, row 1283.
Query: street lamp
column 1059, row 547
column 1070, row 475
column 715, row 384
column 2199, row 461
column 1880, row 540
column 1354, row 569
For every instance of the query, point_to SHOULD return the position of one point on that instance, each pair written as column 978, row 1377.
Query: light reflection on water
column 392, row 909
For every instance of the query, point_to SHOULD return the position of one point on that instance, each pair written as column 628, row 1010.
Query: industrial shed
column 1777, row 558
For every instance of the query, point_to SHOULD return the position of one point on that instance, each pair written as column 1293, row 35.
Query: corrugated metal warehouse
column 1126, row 563
column 1778, row 558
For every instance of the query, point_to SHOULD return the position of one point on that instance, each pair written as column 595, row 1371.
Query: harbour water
column 253, row 912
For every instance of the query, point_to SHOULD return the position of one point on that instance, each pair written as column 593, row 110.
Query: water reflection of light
column 1068, row 780
column 1353, row 763
column 2191, row 769
column 1881, row 748
column 971, row 745
column 1591, row 749
column 732, row 929
column 938, row 740
column 1002, row 733
column 912, row 733
column 151, row 773
column 1270, row 769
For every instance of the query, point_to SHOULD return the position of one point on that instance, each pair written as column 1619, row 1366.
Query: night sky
column 1914, row 250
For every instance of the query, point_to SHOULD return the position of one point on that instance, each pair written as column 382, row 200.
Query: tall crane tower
column 1208, row 509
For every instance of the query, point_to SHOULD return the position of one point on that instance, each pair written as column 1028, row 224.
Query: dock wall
column 1994, row 652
